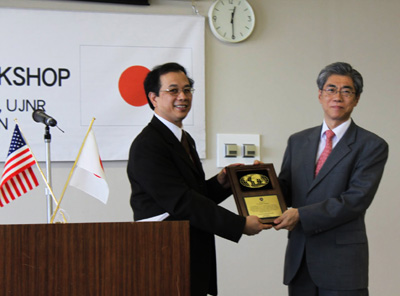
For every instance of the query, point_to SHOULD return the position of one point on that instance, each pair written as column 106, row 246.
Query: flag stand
column 47, row 141
column 37, row 164
column 72, row 170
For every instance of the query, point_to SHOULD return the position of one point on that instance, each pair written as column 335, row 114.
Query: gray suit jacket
column 331, row 231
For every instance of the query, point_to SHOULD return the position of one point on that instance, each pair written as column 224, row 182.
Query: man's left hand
column 288, row 220
column 223, row 178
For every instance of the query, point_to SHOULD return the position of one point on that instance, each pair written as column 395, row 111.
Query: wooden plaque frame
column 256, row 191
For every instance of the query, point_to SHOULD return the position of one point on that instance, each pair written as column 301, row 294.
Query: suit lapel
column 309, row 158
column 340, row 151
column 177, row 146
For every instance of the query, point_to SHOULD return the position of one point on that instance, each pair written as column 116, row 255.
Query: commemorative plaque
column 256, row 191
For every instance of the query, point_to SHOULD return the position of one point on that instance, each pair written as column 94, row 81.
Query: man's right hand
column 254, row 225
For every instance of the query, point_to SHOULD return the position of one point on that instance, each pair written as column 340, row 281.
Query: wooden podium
column 95, row 259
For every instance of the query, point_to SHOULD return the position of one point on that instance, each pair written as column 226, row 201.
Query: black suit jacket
column 164, row 179
column 332, row 206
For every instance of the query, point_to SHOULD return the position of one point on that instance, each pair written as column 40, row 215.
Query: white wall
column 266, row 85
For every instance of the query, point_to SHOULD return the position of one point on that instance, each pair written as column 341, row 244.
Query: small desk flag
column 18, row 177
column 89, row 174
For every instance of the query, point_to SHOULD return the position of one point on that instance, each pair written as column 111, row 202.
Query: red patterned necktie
column 327, row 150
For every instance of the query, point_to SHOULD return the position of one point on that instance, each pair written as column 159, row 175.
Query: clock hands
column 233, row 28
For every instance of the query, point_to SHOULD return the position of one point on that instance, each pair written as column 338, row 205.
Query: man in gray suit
column 327, row 251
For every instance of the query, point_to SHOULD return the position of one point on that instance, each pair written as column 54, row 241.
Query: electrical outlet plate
column 240, row 140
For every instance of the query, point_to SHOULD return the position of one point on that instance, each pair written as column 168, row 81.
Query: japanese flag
column 89, row 173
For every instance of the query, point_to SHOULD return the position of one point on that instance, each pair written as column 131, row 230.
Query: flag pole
column 37, row 164
column 72, row 170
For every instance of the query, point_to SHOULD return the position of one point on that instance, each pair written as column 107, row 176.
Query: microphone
column 39, row 116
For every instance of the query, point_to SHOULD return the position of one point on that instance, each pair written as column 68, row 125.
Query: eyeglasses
column 187, row 91
column 346, row 93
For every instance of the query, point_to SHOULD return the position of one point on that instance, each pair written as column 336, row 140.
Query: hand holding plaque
column 256, row 191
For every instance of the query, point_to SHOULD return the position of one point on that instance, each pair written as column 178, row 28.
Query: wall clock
column 231, row 20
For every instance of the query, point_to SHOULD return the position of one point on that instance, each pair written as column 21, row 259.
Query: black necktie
column 185, row 144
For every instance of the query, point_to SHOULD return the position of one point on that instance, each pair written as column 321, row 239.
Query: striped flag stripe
column 2, row 193
column 11, row 191
column 16, row 156
column 31, row 178
column 20, row 183
column 15, row 187
column 16, row 168
column 16, row 164
column 7, row 195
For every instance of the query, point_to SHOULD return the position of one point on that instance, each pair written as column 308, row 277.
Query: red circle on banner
column 130, row 85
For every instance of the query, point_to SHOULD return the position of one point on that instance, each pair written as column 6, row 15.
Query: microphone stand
column 38, row 115
column 47, row 140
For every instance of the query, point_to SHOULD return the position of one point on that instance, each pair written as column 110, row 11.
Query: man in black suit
column 327, row 252
column 168, row 182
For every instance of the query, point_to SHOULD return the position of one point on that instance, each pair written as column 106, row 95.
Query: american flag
column 18, row 177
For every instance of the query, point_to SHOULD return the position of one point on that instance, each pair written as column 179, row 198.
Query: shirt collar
column 339, row 130
column 176, row 130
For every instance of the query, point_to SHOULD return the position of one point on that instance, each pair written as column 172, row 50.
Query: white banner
column 80, row 65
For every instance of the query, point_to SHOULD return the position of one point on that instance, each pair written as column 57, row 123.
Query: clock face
column 231, row 20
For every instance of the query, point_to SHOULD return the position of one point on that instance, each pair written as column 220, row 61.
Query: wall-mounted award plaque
column 256, row 191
